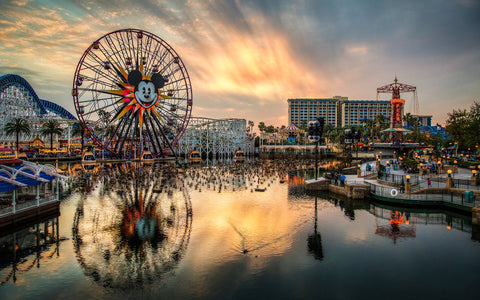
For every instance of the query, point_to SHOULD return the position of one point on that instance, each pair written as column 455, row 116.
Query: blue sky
column 246, row 58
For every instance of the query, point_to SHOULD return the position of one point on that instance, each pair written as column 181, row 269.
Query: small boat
column 239, row 156
column 260, row 189
column 8, row 156
column 88, row 158
column 194, row 156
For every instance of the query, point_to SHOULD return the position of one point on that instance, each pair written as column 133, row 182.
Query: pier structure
column 28, row 190
column 447, row 190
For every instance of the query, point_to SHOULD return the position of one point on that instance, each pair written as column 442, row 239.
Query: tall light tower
column 396, row 120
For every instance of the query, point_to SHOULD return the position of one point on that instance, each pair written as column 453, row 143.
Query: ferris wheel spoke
column 153, row 137
column 125, row 134
column 98, row 109
column 163, row 55
column 179, row 68
column 127, row 46
column 165, row 139
column 152, row 53
column 86, row 78
column 107, row 75
column 115, row 53
column 111, row 58
column 168, row 65
column 123, row 122
column 134, row 131
column 174, row 82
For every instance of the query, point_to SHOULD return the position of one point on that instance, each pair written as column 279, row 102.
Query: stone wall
column 476, row 216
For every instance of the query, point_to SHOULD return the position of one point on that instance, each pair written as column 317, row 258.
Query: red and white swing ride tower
column 396, row 120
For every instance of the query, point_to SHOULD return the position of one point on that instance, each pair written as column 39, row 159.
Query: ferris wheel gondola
column 132, row 92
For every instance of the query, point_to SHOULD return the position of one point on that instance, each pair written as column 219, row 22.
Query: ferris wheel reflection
column 134, row 227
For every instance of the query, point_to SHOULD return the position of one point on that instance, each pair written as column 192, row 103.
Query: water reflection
column 400, row 223
column 134, row 226
column 315, row 239
column 27, row 247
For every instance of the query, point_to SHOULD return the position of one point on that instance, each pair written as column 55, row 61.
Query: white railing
column 448, row 197
column 27, row 205
column 6, row 211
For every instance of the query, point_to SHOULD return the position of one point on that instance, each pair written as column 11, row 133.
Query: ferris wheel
column 132, row 92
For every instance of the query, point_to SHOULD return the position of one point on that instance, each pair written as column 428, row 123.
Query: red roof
column 291, row 127
column 9, row 161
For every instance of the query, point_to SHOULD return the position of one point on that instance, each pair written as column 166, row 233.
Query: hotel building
column 337, row 111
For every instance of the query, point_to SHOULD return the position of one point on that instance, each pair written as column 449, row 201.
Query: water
column 134, row 231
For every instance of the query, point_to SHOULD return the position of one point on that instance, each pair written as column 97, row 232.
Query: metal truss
column 19, row 100
column 217, row 137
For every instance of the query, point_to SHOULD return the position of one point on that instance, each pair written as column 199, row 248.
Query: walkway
column 437, row 196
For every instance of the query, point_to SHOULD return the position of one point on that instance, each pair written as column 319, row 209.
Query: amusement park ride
column 132, row 93
column 396, row 122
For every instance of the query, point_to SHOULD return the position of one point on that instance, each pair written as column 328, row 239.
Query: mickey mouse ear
column 134, row 77
column 158, row 80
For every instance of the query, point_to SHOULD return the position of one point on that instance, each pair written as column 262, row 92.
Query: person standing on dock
column 429, row 182
column 342, row 180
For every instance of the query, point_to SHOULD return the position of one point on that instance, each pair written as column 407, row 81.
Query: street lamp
column 449, row 173
column 408, row 178
column 315, row 131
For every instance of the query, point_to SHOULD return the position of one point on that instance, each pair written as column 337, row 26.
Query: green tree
column 463, row 126
column 50, row 128
column 78, row 130
column 17, row 126
column 261, row 126
column 303, row 125
column 270, row 129
column 412, row 121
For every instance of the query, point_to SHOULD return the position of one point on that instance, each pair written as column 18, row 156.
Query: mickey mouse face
column 146, row 93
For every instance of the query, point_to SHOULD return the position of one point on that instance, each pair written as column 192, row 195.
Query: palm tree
column 17, row 126
column 50, row 128
column 77, row 130
column 412, row 121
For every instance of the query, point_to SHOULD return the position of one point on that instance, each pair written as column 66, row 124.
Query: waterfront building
column 337, row 111
column 355, row 112
column 423, row 120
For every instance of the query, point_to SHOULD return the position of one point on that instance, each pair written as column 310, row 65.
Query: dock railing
column 26, row 205
column 451, row 198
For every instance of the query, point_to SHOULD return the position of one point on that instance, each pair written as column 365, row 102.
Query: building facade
column 355, row 112
column 423, row 120
column 337, row 111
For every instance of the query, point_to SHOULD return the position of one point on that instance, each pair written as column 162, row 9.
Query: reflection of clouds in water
column 257, row 224
column 136, row 229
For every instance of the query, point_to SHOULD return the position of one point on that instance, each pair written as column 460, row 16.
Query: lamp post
column 315, row 131
column 408, row 185
column 449, row 183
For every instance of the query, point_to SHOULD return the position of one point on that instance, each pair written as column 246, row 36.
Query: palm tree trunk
column 17, row 141
column 51, row 142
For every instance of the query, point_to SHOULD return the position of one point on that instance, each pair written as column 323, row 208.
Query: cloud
column 250, row 56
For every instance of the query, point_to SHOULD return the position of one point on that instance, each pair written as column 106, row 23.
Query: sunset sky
column 246, row 58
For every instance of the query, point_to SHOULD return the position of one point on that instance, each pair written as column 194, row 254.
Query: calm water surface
column 136, row 231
